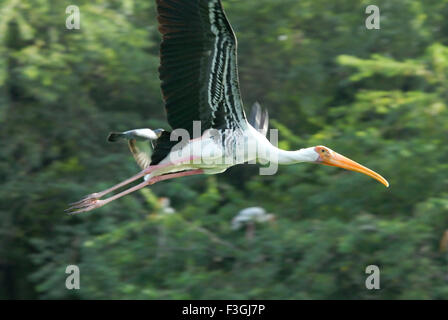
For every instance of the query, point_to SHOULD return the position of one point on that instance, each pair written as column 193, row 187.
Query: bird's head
column 331, row 158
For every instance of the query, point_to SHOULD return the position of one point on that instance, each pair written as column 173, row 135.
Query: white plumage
column 251, row 214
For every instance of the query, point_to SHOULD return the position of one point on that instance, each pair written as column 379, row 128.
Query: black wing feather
column 198, row 66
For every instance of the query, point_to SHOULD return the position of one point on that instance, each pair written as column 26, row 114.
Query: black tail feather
column 114, row 136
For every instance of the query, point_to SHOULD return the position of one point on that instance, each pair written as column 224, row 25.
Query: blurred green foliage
column 377, row 96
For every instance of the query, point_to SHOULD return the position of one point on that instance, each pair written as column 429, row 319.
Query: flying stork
column 200, row 89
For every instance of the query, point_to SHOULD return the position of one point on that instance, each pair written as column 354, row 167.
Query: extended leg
column 96, row 203
column 97, row 195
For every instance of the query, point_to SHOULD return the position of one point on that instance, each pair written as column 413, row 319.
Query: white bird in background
column 140, row 142
column 200, row 88
column 249, row 217
column 251, row 214
column 165, row 204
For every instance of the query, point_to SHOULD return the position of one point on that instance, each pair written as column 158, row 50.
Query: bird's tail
column 115, row 136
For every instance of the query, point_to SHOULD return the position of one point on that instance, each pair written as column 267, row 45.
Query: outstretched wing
column 141, row 151
column 198, row 68
column 140, row 142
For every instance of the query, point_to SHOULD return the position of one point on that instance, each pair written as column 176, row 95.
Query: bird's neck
column 291, row 157
column 271, row 153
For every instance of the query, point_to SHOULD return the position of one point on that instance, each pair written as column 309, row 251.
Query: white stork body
column 199, row 81
column 217, row 152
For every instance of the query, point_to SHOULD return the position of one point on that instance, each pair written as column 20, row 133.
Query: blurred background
column 377, row 96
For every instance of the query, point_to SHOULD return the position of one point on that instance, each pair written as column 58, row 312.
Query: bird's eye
column 323, row 151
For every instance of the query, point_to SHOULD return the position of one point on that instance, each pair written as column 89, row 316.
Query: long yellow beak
column 337, row 160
